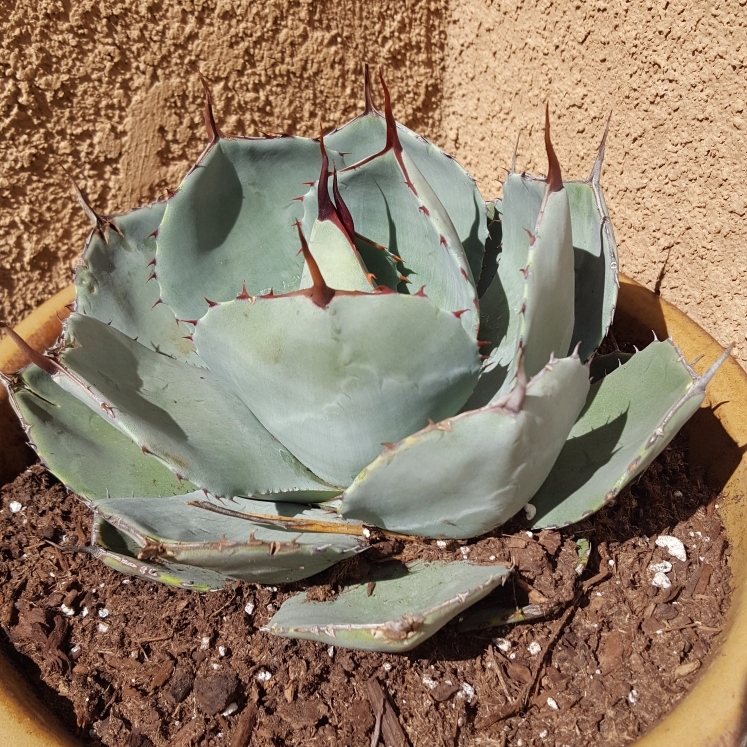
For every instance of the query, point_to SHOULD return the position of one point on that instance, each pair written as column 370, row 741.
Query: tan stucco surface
column 109, row 91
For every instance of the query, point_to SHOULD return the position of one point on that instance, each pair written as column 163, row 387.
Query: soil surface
column 127, row 663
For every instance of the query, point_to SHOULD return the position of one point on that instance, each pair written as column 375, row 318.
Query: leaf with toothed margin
column 595, row 252
column 595, row 279
column 595, row 260
column 466, row 475
column 182, row 414
column 454, row 187
column 387, row 212
column 629, row 418
column 380, row 262
column 337, row 258
column 333, row 383
column 376, row 259
column 231, row 221
column 546, row 324
column 340, row 269
column 448, row 236
column 119, row 551
column 494, row 314
column 536, row 276
column 87, row 454
column 117, row 284
column 359, row 138
column 331, row 239
column 176, row 531
column 496, row 303
column 404, row 606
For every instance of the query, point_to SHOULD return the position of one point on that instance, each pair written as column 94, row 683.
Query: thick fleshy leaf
column 518, row 213
column 595, row 264
column 361, row 137
column 403, row 607
column 177, row 531
column 537, row 260
column 381, row 263
column 495, row 314
column 629, row 418
column 595, row 277
column 332, row 249
column 415, row 227
column 531, row 299
column 595, row 261
column 337, row 258
column 85, row 452
column 184, row 415
column 334, row 383
column 454, row 187
column 118, row 551
column 231, row 221
column 466, row 475
column 117, row 284
column 376, row 259
column 448, row 236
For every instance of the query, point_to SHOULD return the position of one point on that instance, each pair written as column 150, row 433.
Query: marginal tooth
column 243, row 296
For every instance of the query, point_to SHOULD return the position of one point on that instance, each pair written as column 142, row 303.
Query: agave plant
column 317, row 341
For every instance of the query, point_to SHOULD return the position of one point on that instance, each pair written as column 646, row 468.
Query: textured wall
column 108, row 89
column 674, row 76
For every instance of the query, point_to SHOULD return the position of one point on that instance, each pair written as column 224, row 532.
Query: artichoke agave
column 259, row 376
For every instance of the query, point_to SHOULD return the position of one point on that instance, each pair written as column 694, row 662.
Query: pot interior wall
column 717, row 435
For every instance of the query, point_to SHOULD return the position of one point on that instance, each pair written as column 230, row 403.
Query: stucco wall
column 108, row 90
column 674, row 76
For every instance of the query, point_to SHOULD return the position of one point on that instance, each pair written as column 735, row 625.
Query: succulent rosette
column 314, row 341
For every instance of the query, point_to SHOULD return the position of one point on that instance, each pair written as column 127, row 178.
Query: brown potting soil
column 127, row 663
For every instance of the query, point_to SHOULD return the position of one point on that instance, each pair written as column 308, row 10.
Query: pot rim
column 715, row 710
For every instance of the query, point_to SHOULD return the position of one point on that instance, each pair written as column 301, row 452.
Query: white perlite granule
column 660, row 579
column 664, row 567
column 674, row 546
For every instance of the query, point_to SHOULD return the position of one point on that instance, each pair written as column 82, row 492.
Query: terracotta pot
column 714, row 713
